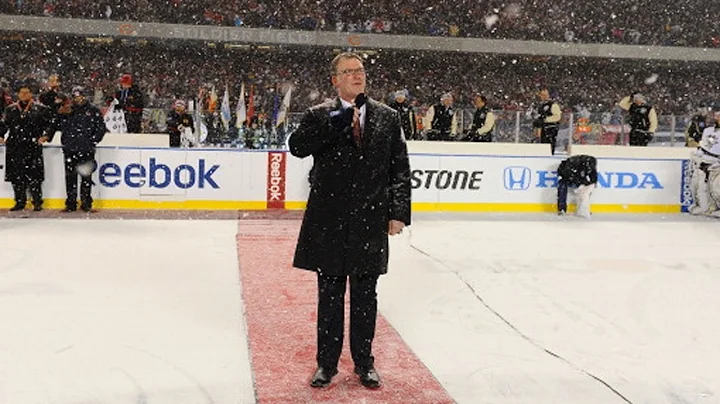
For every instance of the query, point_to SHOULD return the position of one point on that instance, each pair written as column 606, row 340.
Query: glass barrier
column 606, row 128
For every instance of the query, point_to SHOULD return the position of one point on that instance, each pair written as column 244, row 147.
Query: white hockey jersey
column 710, row 142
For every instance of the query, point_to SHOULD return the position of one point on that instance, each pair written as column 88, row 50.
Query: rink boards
column 233, row 179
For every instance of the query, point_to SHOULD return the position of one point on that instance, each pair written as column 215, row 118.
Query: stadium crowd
column 168, row 70
column 663, row 22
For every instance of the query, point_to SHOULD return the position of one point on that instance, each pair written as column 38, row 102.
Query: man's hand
column 343, row 118
column 2, row 140
column 43, row 139
column 395, row 227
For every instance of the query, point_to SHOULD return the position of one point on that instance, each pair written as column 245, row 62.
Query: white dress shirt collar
column 346, row 104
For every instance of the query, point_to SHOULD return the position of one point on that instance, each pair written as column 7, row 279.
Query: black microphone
column 360, row 100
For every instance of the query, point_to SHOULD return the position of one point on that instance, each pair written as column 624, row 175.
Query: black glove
column 341, row 119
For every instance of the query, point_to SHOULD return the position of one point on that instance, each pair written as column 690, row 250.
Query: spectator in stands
column 131, row 100
column 547, row 119
column 50, row 98
column 345, row 234
column 406, row 114
column 642, row 119
column 82, row 127
column 441, row 120
column 5, row 95
column 178, row 121
column 31, row 125
column 612, row 21
column 483, row 121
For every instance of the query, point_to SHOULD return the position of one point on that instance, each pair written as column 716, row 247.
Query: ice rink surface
column 529, row 309
column 539, row 309
column 121, row 311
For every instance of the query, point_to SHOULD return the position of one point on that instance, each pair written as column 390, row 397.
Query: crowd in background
column 663, row 22
column 169, row 70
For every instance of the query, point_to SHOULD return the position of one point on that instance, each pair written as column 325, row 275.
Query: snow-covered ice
column 527, row 309
column 614, row 310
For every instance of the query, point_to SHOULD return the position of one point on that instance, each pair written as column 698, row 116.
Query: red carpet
column 280, row 305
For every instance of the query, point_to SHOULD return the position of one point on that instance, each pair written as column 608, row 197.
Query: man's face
column 400, row 99
column 79, row 100
column 479, row 102
column 544, row 95
column 447, row 101
column 349, row 78
column 53, row 82
column 179, row 109
column 24, row 94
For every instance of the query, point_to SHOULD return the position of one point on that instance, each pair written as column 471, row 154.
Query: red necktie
column 356, row 132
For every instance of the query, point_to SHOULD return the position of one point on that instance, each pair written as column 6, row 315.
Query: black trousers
column 549, row 135
column 331, row 319
column 72, row 160
column 174, row 138
column 639, row 138
column 437, row 134
column 562, row 195
column 133, row 120
column 486, row 138
column 20, row 189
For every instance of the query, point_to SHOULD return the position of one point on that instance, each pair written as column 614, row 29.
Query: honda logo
column 516, row 178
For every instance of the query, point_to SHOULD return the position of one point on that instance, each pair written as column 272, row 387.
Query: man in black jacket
column 178, row 121
column 694, row 131
column 360, row 194
column 483, row 121
column 406, row 114
column 82, row 128
column 642, row 118
column 30, row 124
column 547, row 119
column 130, row 99
column 51, row 97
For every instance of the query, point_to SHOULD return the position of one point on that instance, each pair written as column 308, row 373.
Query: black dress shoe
column 17, row 207
column 38, row 208
column 369, row 377
column 322, row 377
column 68, row 209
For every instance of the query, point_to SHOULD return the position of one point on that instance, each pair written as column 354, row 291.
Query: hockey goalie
column 705, row 166
column 579, row 172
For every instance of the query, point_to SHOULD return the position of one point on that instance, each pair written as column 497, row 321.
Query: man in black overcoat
column 30, row 124
column 360, row 194
column 82, row 127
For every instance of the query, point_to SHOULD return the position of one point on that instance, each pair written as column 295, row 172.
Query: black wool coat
column 23, row 155
column 82, row 129
column 355, row 191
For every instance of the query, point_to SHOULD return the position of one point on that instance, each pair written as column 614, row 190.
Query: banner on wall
column 236, row 179
column 276, row 171
column 489, row 179
column 162, row 178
